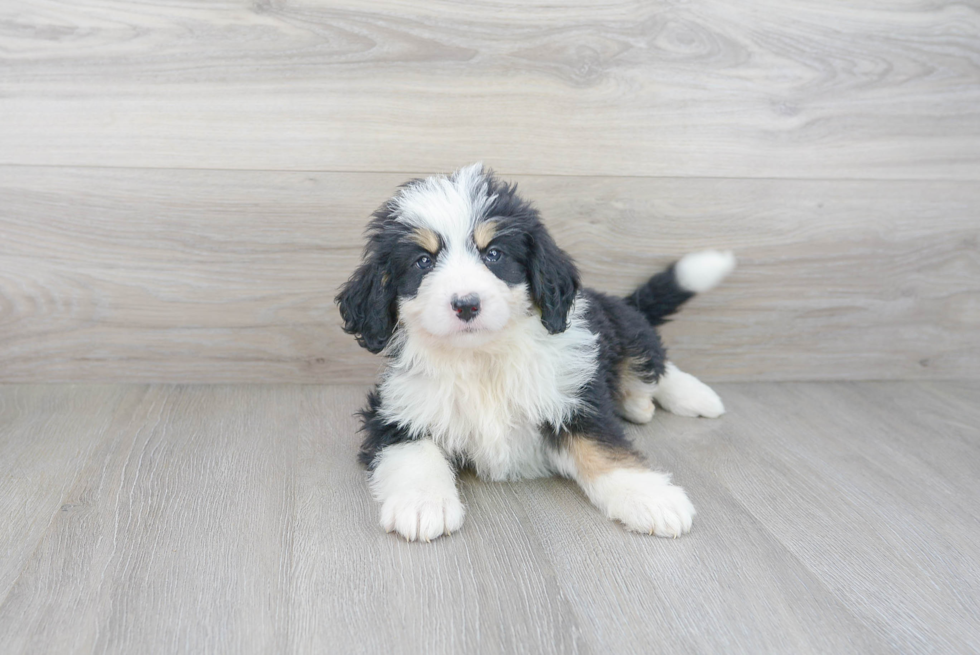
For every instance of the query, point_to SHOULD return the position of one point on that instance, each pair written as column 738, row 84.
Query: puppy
column 498, row 359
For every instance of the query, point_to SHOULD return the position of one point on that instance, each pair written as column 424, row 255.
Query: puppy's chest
column 491, row 416
column 499, row 434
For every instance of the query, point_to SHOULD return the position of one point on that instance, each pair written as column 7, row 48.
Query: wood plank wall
column 183, row 186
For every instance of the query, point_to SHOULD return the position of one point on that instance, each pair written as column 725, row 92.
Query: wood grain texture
column 867, row 475
column 801, row 89
column 174, row 540
column 45, row 441
column 833, row 517
column 229, row 276
column 733, row 589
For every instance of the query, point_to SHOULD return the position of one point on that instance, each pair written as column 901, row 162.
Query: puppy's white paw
column 417, row 491
column 645, row 501
column 422, row 515
column 683, row 394
column 638, row 409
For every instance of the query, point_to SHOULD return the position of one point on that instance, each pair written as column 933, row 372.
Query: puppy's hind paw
column 637, row 409
column 683, row 394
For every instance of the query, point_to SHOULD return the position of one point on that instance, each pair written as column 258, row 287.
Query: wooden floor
column 833, row 518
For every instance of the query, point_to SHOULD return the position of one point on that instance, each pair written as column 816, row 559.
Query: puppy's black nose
column 467, row 307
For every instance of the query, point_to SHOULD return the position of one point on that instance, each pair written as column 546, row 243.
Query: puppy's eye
column 424, row 262
column 492, row 255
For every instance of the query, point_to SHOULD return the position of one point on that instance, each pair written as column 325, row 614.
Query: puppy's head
column 456, row 259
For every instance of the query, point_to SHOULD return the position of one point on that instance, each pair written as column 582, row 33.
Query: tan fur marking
column 427, row 239
column 594, row 459
column 628, row 367
column 483, row 233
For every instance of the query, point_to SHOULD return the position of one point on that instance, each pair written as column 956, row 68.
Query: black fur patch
column 368, row 301
column 625, row 337
column 380, row 433
column 660, row 297
column 549, row 271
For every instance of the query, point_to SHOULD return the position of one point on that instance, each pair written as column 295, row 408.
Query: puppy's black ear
column 367, row 304
column 552, row 279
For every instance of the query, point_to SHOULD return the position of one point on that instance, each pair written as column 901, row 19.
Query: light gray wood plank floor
column 833, row 517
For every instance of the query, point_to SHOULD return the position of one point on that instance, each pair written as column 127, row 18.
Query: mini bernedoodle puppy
column 498, row 359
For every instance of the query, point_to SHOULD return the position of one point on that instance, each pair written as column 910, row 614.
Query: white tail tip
column 702, row 271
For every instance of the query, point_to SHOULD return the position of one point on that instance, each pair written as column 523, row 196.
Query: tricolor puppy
column 499, row 360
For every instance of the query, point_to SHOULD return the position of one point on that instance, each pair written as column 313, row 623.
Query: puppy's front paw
column 645, row 501
column 422, row 514
column 417, row 491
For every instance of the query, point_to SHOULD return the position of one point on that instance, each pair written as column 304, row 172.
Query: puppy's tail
column 665, row 292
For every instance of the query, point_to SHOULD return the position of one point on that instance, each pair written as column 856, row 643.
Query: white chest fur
column 489, row 403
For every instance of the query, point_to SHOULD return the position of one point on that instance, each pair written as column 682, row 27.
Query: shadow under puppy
column 498, row 359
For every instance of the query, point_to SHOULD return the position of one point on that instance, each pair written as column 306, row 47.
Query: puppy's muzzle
column 467, row 307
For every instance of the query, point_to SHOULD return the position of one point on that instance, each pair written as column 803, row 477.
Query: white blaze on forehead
column 450, row 206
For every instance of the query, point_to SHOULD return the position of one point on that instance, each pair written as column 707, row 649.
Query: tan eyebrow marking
column 427, row 239
column 483, row 233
